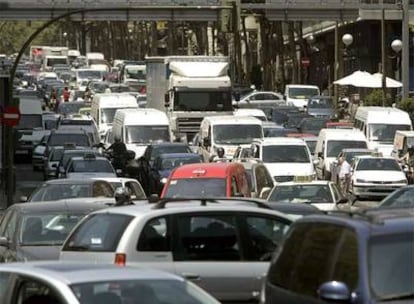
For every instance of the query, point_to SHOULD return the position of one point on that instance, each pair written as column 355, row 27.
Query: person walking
column 344, row 175
column 66, row 94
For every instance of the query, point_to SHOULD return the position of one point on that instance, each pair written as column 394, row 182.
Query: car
column 400, row 198
column 80, row 122
column 72, row 107
column 132, row 184
column 258, row 176
column 261, row 97
column 342, row 257
column 321, row 106
column 324, row 195
column 279, row 114
column 375, row 176
column 153, row 150
column 166, row 162
column 349, row 154
column 223, row 245
column 67, row 156
column 36, row 231
column 311, row 125
column 79, row 138
column 88, row 166
column 54, row 282
column 69, row 188
column 38, row 154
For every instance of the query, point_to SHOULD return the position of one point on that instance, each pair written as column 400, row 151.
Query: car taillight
column 120, row 259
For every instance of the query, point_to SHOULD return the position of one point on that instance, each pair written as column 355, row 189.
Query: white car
column 90, row 166
column 261, row 97
column 132, row 184
column 324, row 195
column 375, row 176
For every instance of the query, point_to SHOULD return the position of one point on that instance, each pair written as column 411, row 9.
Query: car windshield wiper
column 399, row 296
column 77, row 248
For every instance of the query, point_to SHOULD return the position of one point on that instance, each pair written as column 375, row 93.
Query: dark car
column 400, row 198
column 71, row 188
column 153, row 150
column 321, row 106
column 37, row 231
column 345, row 258
column 312, row 125
column 166, row 162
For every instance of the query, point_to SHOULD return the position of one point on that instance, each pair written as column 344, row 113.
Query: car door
column 8, row 230
column 207, row 251
column 262, row 234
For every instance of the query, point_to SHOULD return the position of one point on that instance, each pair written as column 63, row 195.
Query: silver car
column 81, row 283
column 223, row 245
column 36, row 231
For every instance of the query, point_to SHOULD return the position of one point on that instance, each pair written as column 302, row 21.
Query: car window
column 102, row 189
column 4, row 281
column 155, row 236
column 33, row 291
column 136, row 190
column 265, row 234
column 207, row 238
column 10, row 229
column 5, row 220
column 314, row 254
column 99, row 233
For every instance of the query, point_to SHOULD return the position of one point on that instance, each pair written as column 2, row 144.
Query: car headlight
column 360, row 180
column 402, row 181
column 163, row 180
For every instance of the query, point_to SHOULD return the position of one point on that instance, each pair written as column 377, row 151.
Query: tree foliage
column 408, row 106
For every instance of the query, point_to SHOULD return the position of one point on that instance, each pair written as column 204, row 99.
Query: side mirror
column 264, row 193
column 236, row 96
column 167, row 100
column 4, row 242
column 206, row 142
column 341, row 201
column 334, row 291
column 320, row 154
column 130, row 155
column 23, row 199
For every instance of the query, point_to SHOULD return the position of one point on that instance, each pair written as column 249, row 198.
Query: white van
column 104, row 106
column 379, row 125
column 330, row 143
column 227, row 132
column 298, row 94
column 51, row 60
column 285, row 158
column 138, row 128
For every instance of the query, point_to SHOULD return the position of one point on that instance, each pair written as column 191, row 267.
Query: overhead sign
column 11, row 116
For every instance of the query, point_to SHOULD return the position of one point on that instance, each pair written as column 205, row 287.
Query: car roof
column 59, row 206
column 267, row 141
column 176, row 206
column 75, row 273
column 314, row 182
column 370, row 221
column 374, row 157
column 69, row 131
column 65, row 181
column 203, row 170
column 77, row 158
column 172, row 155
column 164, row 144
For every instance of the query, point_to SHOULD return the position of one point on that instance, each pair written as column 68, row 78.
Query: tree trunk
column 292, row 52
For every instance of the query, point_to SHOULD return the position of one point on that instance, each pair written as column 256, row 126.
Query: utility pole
column 336, row 64
column 405, row 55
column 383, row 63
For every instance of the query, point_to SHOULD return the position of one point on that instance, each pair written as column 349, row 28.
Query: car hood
column 379, row 176
column 36, row 253
column 295, row 169
column 86, row 175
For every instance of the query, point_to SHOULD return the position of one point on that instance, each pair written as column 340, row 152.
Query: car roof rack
column 161, row 204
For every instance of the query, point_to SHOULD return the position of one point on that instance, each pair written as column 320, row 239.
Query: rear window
column 98, row 233
column 62, row 139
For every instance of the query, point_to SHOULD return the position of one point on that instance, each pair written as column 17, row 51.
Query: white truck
column 47, row 56
column 189, row 88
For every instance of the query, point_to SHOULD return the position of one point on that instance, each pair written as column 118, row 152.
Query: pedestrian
column 344, row 175
column 66, row 94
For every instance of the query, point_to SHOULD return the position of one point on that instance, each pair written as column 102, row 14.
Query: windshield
column 63, row 139
column 349, row 156
column 311, row 145
column 391, row 256
column 51, row 192
column 48, row 228
column 196, row 187
column 302, row 93
column 95, row 166
column 144, row 290
column 67, row 155
column 30, row 121
column 385, row 132
column 378, row 164
column 236, row 134
column 302, row 193
column 321, row 103
column 137, row 73
column 76, row 122
column 203, row 101
column 52, row 61
column 173, row 162
column 91, row 74
column 334, row 147
column 147, row 134
column 286, row 154
column 70, row 107
column 56, row 154
column 108, row 114
column 403, row 197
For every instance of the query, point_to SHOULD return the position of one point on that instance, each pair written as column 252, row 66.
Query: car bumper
column 375, row 190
